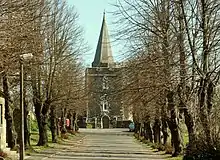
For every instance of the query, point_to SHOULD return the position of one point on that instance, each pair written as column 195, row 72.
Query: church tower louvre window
column 105, row 106
column 105, row 83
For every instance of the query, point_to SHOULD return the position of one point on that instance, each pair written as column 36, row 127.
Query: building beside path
column 104, row 105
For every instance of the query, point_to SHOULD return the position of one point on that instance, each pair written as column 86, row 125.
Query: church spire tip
column 104, row 14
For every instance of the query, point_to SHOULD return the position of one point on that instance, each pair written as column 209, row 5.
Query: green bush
column 89, row 125
column 145, row 141
column 154, row 145
column 34, row 126
column 136, row 135
column 64, row 136
column 161, row 147
column 168, row 148
column 141, row 138
column 72, row 132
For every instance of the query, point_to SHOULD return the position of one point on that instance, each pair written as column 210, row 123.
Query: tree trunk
column 26, row 129
column 165, row 131
column 73, row 121
column 42, row 120
column 10, row 135
column 42, row 126
column 58, row 126
column 210, row 94
column 142, row 130
column 203, row 99
column 191, row 133
column 63, row 121
column 156, row 129
column 75, row 127
column 145, row 131
column 148, row 130
column 173, row 125
column 70, row 117
column 164, row 124
column 53, row 124
column 136, row 127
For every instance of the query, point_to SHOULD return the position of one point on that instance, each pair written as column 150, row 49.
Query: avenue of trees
column 172, row 72
column 53, row 78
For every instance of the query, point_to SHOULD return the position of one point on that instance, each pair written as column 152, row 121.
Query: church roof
column 103, row 55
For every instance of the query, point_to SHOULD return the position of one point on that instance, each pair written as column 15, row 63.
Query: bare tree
column 63, row 41
column 15, row 26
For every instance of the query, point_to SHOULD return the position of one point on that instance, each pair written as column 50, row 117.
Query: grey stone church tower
column 104, row 102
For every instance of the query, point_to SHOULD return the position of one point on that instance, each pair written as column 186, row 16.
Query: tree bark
column 191, row 133
column 136, row 127
column 42, row 126
column 210, row 94
column 70, row 117
column 58, row 126
column 73, row 120
column 42, row 120
column 53, row 124
column 75, row 127
column 148, row 130
column 164, row 124
column 10, row 135
column 145, row 131
column 141, row 130
column 173, row 125
column 26, row 111
column 156, row 129
column 63, row 121
column 202, row 96
column 165, row 131
column 26, row 129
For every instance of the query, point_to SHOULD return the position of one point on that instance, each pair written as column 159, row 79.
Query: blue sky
column 90, row 18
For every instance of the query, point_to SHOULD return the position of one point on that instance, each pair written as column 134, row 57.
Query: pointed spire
column 104, row 17
column 103, row 55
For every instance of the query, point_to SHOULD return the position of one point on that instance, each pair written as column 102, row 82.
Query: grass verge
column 34, row 139
column 160, row 148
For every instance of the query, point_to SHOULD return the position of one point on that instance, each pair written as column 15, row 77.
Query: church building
column 102, row 82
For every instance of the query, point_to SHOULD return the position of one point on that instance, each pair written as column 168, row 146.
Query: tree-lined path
column 112, row 144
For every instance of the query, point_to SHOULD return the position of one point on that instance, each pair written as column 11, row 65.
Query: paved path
column 111, row 144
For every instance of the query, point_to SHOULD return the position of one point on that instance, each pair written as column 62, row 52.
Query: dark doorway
column 105, row 121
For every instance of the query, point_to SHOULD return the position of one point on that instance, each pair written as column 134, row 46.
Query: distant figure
column 67, row 123
column 131, row 127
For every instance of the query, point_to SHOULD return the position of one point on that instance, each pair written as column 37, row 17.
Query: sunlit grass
column 168, row 148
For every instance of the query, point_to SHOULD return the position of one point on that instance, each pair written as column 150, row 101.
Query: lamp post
column 23, row 57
